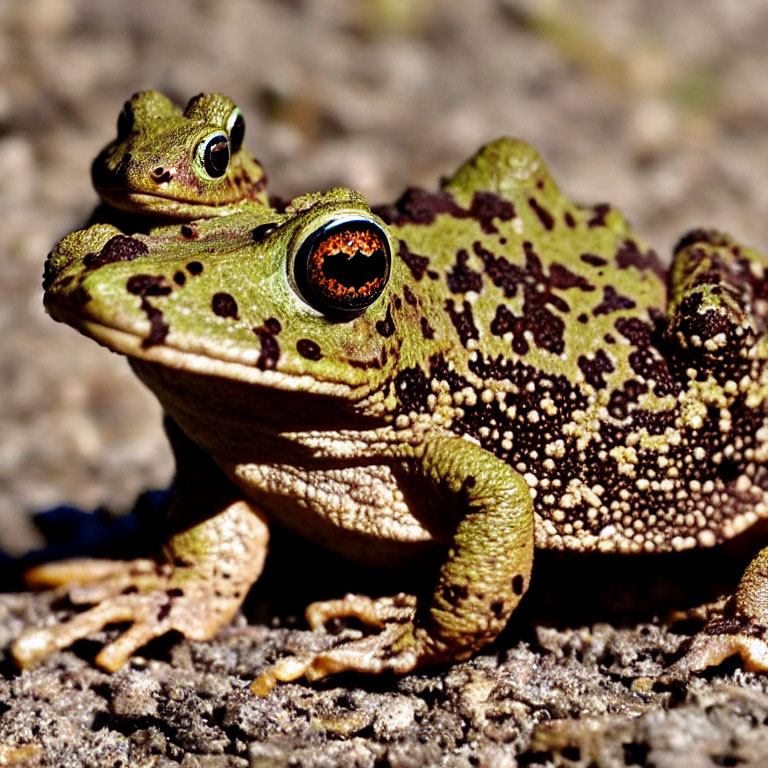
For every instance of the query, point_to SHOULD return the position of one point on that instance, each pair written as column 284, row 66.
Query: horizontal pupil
column 357, row 270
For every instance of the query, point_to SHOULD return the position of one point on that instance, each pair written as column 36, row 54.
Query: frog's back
column 542, row 336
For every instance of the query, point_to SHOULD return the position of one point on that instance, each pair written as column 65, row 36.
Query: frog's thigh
column 740, row 628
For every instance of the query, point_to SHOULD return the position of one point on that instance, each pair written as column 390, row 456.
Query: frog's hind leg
column 718, row 301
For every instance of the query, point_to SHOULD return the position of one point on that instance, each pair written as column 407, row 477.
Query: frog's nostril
column 161, row 175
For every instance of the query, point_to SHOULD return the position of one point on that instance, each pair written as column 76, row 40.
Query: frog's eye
column 343, row 266
column 125, row 122
column 213, row 154
column 236, row 130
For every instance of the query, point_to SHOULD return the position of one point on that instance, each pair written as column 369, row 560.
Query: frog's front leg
column 214, row 555
column 712, row 308
column 735, row 626
column 485, row 573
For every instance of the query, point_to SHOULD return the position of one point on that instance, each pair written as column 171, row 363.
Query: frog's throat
column 162, row 205
column 134, row 346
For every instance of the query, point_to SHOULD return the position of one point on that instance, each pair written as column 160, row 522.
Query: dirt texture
column 660, row 108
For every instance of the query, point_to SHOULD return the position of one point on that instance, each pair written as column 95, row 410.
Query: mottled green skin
column 522, row 376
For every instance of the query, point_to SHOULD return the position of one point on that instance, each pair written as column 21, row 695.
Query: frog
column 169, row 164
column 476, row 371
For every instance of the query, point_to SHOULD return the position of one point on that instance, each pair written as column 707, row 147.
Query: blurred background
column 660, row 108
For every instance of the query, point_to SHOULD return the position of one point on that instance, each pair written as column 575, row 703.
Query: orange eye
column 343, row 266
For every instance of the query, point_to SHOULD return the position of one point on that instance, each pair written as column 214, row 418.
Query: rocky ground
column 660, row 108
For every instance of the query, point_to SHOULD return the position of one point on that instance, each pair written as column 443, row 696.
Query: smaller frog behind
column 182, row 166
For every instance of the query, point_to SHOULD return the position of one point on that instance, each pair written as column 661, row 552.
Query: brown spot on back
column 599, row 213
column 463, row 321
column 462, row 278
column 544, row 216
column 194, row 268
column 417, row 264
column 118, row 248
column 612, row 302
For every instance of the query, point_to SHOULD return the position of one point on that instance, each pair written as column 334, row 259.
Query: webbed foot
column 154, row 598
column 736, row 625
column 718, row 640
column 399, row 647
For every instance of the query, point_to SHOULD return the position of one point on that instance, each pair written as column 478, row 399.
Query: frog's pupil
column 216, row 156
column 357, row 270
column 237, row 133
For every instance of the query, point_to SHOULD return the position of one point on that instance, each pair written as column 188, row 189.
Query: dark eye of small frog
column 236, row 130
column 343, row 267
column 213, row 154
column 125, row 122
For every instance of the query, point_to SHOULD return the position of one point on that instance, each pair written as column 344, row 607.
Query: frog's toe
column 720, row 639
column 35, row 644
column 372, row 612
column 80, row 571
column 399, row 648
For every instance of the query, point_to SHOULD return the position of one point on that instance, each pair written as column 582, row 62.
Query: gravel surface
column 660, row 108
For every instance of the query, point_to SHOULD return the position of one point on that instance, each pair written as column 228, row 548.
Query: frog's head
column 182, row 165
column 297, row 301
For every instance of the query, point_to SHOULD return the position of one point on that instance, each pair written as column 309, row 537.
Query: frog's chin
column 136, row 347
column 160, row 205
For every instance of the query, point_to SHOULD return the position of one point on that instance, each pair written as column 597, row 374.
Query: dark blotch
column 427, row 331
column 544, row 216
column 417, row 264
column 386, row 327
column 591, row 258
column 118, row 248
column 612, row 302
column 224, row 305
column 272, row 324
column 179, row 278
column 593, row 369
column 270, row 349
column 194, row 268
column 148, row 285
column 599, row 213
column 188, row 231
column 518, row 584
column 412, row 389
column 309, row 349
column 462, row 278
column 463, row 321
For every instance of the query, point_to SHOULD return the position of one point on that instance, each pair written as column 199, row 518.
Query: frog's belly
column 360, row 512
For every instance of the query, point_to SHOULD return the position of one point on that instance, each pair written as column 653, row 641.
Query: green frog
column 165, row 163
column 477, row 370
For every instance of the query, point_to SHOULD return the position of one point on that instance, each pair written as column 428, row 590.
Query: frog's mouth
column 163, row 205
column 237, row 365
